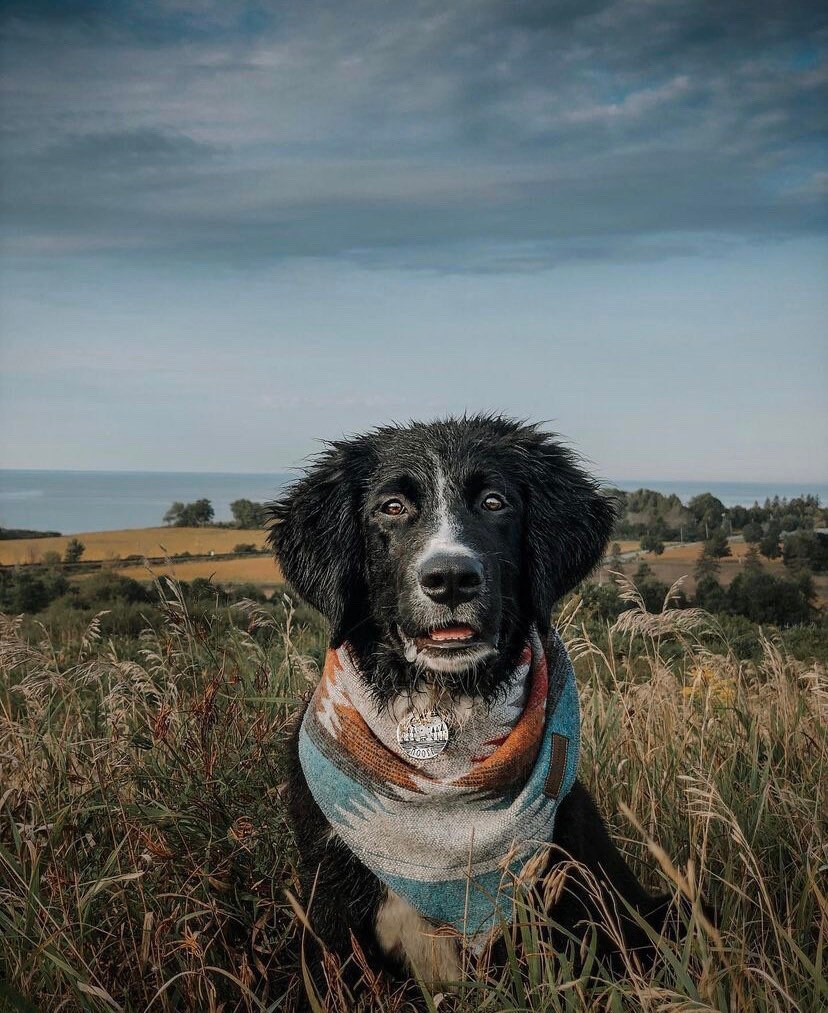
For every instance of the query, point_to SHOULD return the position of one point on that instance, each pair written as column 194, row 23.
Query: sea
column 76, row 501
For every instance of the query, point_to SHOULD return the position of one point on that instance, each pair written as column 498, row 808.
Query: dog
column 436, row 551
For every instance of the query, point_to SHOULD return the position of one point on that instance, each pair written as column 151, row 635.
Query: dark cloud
column 487, row 136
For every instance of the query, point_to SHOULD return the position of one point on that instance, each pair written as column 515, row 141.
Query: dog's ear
column 317, row 536
column 568, row 522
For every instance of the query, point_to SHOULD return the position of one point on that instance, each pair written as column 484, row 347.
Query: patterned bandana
column 448, row 834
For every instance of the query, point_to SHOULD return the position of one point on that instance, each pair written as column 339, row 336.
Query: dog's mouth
column 458, row 644
column 448, row 638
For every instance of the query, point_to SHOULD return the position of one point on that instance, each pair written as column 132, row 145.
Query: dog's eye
column 393, row 507
column 493, row 502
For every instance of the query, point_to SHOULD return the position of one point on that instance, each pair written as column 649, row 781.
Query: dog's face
column 433, row 547
column 443, row 523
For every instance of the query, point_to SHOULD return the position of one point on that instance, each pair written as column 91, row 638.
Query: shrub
column 806, row 549
column 25, row 590
column 710, row 594
column 752, row 532
column 74, row 550
column 652, row 543
column 763, row 598
column 717, row 545
column 769, row 546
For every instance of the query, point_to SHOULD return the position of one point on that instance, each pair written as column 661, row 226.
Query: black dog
column 433, row 549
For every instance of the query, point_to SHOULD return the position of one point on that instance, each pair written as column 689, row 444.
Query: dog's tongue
column 452, row 633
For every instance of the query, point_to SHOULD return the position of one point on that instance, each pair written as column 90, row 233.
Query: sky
column 232, row 230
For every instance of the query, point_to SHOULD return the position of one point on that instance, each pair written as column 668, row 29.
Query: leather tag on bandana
column 557, row 766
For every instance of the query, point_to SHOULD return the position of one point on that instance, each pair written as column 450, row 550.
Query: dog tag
column 423, row 736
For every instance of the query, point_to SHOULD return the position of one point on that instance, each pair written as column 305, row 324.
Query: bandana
column 449, row 834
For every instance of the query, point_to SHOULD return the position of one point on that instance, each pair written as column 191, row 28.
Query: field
column 110, row 545
column 676, row 562
column 679, row 560
column 261, row 570
column 146, row 862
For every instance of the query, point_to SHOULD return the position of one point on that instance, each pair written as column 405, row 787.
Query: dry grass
column 261, row 570
column 628, row 545
column 689, row 552
column 144, row 855
column 107, row 545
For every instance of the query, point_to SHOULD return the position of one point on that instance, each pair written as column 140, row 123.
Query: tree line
column 779, row 528
column 199, row 514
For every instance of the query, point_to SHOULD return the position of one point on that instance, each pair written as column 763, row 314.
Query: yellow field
column 626, row 546
column 261, row 570
column 141, row 541
column 690, row 551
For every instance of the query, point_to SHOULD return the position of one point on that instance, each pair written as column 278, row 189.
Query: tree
column 753, row 563
column 752, row 532
column 768, row 599
column 199, row 513
column 74, row 550
column 652, row 543
column 190, row 515
column 173, row 515
column 616, row 564
column 602, row 601
column 717, row 544
column 707, row 510
column 806, row 549
column 707, row 566
column 710, row 595
column 769, row 546
column 248, row 514
column 738, row 516
column 51, row 558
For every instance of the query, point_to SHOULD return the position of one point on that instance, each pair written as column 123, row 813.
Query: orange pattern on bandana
column 508, row 764
column 354, row 735
column 515, row 756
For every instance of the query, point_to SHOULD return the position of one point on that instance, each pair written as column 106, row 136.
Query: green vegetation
column 248, row 515
column 717, row 544
column 10, row 533
column 190, row 515
column 145, row 857
column 646, row 512
column 146, row 861
column 652, row 543
column 806, row 550
column 74, row 550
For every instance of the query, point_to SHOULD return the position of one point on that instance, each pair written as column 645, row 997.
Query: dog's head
column 434, row 546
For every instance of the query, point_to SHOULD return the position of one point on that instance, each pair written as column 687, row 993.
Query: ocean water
column 74, row 501
column 730, row 493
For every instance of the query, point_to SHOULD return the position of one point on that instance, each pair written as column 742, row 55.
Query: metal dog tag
column 423, row 736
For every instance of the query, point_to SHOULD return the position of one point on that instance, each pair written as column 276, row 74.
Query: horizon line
column 300, row 467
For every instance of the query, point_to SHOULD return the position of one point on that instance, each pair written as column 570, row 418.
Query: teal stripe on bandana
column 452, row 851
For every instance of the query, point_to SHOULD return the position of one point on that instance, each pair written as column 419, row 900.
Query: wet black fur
column 332, row 551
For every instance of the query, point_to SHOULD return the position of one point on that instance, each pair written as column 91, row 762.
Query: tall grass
column 146, row 863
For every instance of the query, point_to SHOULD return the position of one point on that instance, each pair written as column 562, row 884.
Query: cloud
column 488, row 136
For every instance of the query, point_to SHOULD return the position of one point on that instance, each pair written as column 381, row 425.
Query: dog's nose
column 449, row 578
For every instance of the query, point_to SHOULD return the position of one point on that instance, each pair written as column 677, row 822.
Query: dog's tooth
column 411, row 651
